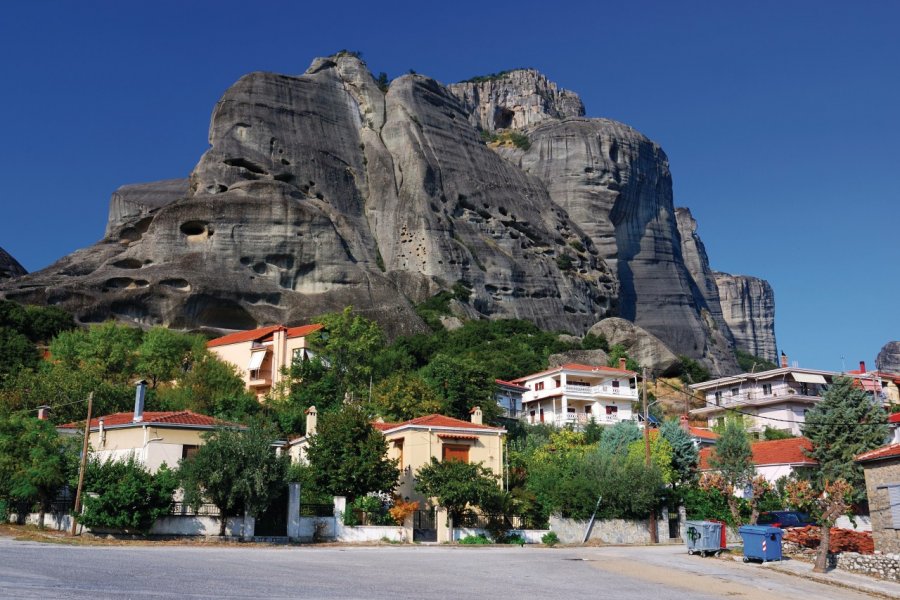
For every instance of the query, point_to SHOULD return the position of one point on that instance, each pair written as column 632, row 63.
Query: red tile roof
column 890, row 451
column 510, row 384
column 381, row 426
column 183, row 418
column 894, row 417
column 772, row 452
column 436, row 420
column 703, row 433
column 577, row 367
column 263, row 333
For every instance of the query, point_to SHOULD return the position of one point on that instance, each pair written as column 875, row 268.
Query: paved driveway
column 33, row 570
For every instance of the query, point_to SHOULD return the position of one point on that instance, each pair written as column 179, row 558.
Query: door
column 273, row 522
column 424, row 526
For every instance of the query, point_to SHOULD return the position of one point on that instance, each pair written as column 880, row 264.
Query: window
column 615, row 383
column 804, row 389
column 539, row 386
column 735, row 392
column 587, row 409
column 767, row 389
column 893, row 491
column 300, row 355
column 531, row 414
column 558, row 382
column 542, row 415
column 455, row 452
column 398, row 445
column 612, row 410
column 188, row 451
column 718, row 398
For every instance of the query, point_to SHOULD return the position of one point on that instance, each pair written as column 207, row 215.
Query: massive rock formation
column 323, row 190
column 888, row 359
column 748, row 306
column 9, row 266
column 515, row 99
column 644, row 347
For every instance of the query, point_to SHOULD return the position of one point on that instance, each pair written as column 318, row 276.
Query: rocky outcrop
column 9, row 266
column 320, row 191
column 515, row 99
column 644, row 347
column 131, row 203
column 597, row 358
column 888, row 359
column 748, row 307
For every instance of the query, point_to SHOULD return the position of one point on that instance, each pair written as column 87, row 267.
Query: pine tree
column 846, row 423
column 684, row 452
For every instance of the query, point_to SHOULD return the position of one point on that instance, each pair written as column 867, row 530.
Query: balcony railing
column 584, row 419
column 752, row 397
column 598, row 390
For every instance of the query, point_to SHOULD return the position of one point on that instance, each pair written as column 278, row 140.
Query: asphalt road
column 34, row 570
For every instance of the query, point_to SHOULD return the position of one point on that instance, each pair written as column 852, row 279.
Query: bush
column 550, row 539
column 475, row 540
column 128, row 497
column 515, row 538
column 703, row 504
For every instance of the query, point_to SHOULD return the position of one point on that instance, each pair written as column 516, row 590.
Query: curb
column 824, row 578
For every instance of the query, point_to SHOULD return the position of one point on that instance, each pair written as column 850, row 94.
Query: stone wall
column 884, row 566
column 881, row 473
column 607, row 531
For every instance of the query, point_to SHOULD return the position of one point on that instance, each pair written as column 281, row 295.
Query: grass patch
column 506, row 138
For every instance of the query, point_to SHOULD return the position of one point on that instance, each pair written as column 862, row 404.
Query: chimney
column 685, row 423
column 862, row 366
column 43, row 412
column 476, row 415
column 622, row 363
column 139, row 394
column 102, row 432
column 784, row 360
column 311, row 417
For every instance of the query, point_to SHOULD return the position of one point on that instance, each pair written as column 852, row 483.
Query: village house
column 882, row 471
column 509, row 398
column 415, row 442
column 260, row 355
column 575, row 394
column 773, row 459
column 154, row 438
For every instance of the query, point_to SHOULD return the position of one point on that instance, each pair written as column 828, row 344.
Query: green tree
column 209, row 386
column 846, row 423
column 753, row 364
column 616, row 439
column 125, row 495
column 35, row 463
column 685, row 455
column 462, row 384
column 163, row 355
column 404, row 396
column 236, row 470
column 618, row 351
column 346, row 345
column 109, row 346
column 771, row 433
column 456, row 485
column 594, row 342
column 37, row 323
column 733, row 460
column 349, row 456
column 692, row 371
column 17, row 352
column 660, row 455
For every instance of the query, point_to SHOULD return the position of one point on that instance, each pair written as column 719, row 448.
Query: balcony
column 579, row 420
column 259, row 378
column 592, row 391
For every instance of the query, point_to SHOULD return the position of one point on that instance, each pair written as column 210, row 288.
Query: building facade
column 260, row 355
column 575, row 394
column 882, row 469
column 509, row 398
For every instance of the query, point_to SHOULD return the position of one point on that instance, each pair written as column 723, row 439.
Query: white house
column 575, row 394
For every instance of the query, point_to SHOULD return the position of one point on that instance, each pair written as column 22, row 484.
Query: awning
column 809, row 378
column 256, row 359
column 457, row 436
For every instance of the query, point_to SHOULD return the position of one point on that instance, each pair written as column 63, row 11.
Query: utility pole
column 84, row 451
column 654, row 537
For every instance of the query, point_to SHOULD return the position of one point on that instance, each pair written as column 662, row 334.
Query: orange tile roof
column 182, row 417
column 382, row 426
column 576, row 367
column 703, row 433
column 771, row 452
column 263, row 334
column 885, row 452
column 510, row 384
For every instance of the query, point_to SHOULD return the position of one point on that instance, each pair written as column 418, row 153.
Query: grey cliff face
column 641, row 345
column 748, row 307
column 321, row 190
column 9, row 266
column 318, row 192
column 888, row 359
column 515, row 99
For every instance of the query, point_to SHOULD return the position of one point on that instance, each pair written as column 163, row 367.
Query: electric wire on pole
column 84, row 452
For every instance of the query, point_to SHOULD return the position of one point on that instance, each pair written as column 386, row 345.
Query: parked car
column 784, row 519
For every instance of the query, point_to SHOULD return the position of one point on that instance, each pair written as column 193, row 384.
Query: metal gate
column 273, row 522
column 424, row 526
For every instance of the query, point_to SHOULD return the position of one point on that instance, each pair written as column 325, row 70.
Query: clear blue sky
column 780, row 119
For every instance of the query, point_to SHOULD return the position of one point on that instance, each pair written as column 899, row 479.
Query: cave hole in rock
column 129, row 310
column 282, row 261
column 196, row 231
column 503, row 118
column 285, row 177
column 216, row 313
column 128, row 263
column 260, row 268
column 177, row 284
column 245, row 164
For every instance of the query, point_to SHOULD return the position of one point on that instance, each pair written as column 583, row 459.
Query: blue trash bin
column 761, row 542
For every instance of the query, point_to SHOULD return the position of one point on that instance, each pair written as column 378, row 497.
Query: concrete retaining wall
column 54, row 521
column 170, row 525
column 531, row 536
column 607, row 531
column 314, row 529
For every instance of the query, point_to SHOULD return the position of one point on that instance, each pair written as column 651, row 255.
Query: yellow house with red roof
column 261, row 354
column 153, row 438
column 415, row 442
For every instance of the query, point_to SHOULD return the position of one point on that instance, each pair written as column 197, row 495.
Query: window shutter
column 893, row 491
